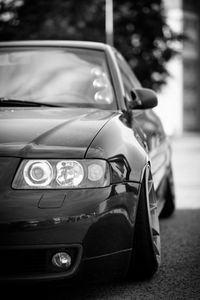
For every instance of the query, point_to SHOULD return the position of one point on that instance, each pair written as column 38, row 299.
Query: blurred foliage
column 141, row 32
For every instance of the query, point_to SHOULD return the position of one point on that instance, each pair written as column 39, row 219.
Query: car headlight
column 62, row 174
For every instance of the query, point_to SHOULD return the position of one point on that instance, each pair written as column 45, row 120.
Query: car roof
column 49, row 43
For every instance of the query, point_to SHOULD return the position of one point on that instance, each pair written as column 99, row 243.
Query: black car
column 85, row 165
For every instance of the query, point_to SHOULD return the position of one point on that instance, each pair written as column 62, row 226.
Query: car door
column 146, row 126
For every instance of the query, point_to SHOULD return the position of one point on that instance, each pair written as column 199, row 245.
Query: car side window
column 129, row 79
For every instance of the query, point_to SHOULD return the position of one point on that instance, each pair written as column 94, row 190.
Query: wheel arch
column 145, row 258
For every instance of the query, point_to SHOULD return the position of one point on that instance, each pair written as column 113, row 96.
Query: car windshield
column 60, row 76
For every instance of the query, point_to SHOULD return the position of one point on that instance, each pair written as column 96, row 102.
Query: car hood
column 49, row 132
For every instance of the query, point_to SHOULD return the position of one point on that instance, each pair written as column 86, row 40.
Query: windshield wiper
column 17, row 102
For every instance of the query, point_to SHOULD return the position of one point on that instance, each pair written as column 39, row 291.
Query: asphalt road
column 179, row 274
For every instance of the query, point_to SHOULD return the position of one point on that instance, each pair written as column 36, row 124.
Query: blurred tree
column 141, row 32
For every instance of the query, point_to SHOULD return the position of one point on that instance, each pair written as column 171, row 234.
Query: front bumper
column 94, row 225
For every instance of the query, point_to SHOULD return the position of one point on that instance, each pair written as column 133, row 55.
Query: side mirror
column 143, row 99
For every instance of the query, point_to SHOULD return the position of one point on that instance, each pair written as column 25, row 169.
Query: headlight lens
column 62, row 174
column 38, row 173
column 95, row 172
column 69, row 173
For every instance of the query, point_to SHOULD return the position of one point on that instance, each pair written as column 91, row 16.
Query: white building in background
column 179, row 100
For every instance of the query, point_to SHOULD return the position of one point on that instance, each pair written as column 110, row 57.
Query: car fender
column 117, row 141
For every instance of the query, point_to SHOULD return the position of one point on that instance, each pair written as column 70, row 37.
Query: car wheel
column 146, row 252
column 169, row 197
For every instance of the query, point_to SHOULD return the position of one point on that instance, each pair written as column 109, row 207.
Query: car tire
column 169, row 197
column 146, row 252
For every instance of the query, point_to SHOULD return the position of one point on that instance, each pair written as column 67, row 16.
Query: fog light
column 61, row 260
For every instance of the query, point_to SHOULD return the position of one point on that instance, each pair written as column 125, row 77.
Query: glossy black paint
column 97, row 222
column 39, row 132
column 143, row 99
